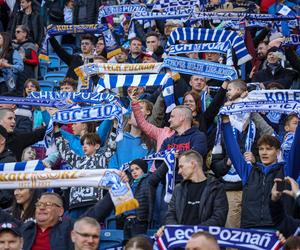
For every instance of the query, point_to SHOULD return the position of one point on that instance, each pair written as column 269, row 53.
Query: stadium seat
column 54, row 62
column 110, row 238
column 48, row 85
column 64, row 68
column 55, row 76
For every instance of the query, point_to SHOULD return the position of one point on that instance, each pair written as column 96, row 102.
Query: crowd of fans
column 236, row 187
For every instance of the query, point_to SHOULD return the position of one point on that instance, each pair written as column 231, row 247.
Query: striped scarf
column 27, row 166
column 164, row 80
column 211, row 35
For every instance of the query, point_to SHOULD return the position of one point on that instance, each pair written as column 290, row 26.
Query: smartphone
column 283, row 185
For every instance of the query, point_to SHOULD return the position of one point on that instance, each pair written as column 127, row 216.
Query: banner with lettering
column 58, row 103
column 176, row 236
column 201, row 68
column 111, row 44
column 114, row 68
column 86, row 97
column 92, row 113
column 105, row 11
column 120, row 192
column 221, row 47
column 212, row 35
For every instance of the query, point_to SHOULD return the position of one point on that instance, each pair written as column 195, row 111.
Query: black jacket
column 285, row 223
column 91, row 16
column 73, row 61
column 256, row 192
column 17, row 142
column 214, row 204
column 281, row 75
column 34, row 23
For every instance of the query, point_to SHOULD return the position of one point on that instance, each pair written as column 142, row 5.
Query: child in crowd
column 136, row 221
column 95, row 158
column 290, row 125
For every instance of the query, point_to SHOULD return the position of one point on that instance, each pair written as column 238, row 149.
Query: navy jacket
column 258, row 180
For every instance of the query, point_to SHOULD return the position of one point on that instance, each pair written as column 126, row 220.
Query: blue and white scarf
column 27, row 166
column 211, row 35
column 176, row 236
column 90, row 69
column 60, row 104
column 93, row 113
column 221, row 47
column 287, row 145
column 238, row 16
column 105, row 11
column 168, row 156
column 111, row 46
column 81, row 97
column 293, row 39
column 201, row 68
column 164, row 80
column 280, row 101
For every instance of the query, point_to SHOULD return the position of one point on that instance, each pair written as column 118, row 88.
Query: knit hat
column 279, row 53
column 141, row 163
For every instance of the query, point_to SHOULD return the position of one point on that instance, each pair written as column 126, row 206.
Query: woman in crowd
column 28, row 53
column 11, row 64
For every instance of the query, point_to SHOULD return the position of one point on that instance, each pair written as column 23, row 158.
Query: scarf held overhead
column 120, row 192
column 222, row 48
column 210, row 35
column 164, row 80
column 113, row 68
column 92, row 113
column 200, row 67
column 111, row 45
column 105, row 11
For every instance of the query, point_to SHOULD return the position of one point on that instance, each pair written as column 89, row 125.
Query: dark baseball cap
column 12, row 227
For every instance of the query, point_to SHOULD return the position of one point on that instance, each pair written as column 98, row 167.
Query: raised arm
column 294, row 156
column 150, row 130
column 242, row 167
column 66, row 153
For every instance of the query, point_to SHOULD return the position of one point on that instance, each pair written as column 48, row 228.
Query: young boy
column 290, row 125
column 258, row 178
column 68, row 85
column 94, row 158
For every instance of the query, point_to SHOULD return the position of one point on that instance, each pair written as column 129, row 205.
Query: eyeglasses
column 86, row 235
column 46, row 204
column 19, row 31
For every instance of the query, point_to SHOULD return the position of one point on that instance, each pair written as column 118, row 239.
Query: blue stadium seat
column 55, row 76
column 43, row 69
column 110, row 238
column 54, row 62
column 48, row 85
column 64, row 68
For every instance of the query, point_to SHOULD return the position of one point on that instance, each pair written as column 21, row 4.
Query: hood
column 267, row 169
